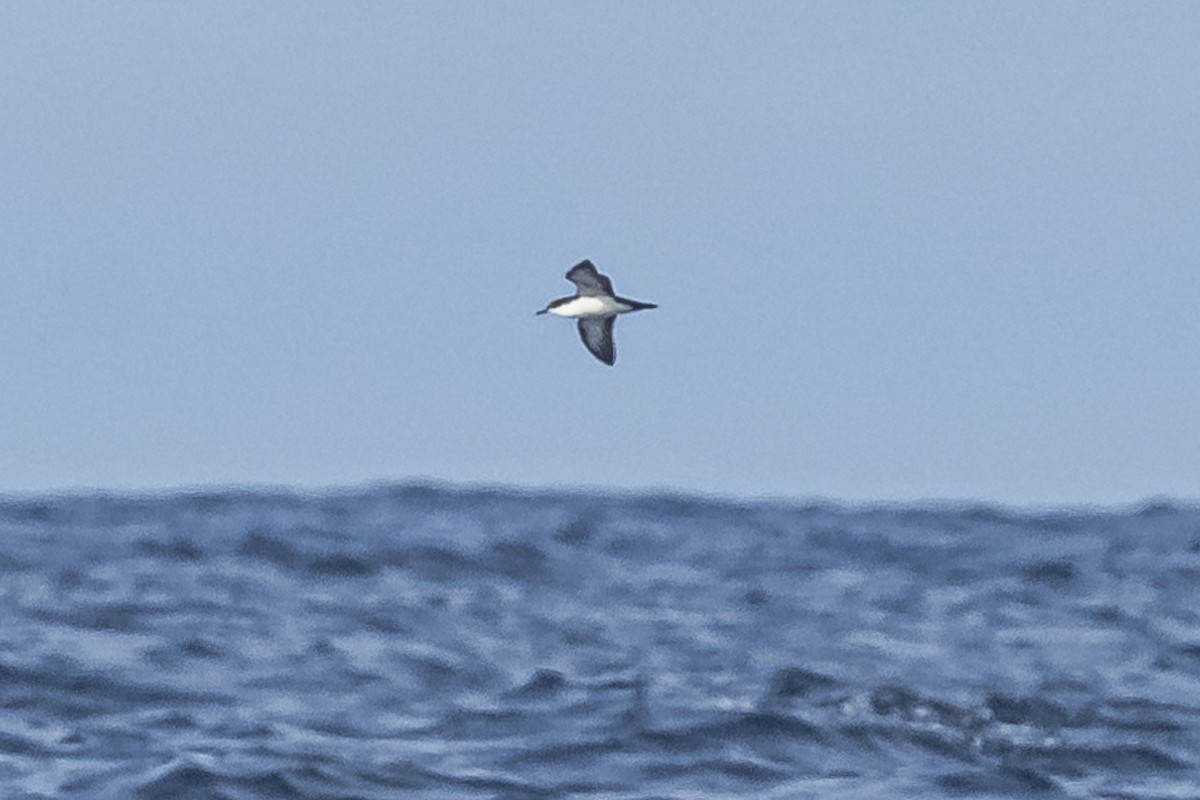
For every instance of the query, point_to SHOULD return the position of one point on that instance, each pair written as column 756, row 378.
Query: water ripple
column 433, row 642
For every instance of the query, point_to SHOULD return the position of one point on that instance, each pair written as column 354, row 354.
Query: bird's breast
column 590, row 307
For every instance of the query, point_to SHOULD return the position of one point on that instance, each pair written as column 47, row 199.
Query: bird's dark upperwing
column 590, row 282
column 596, row 333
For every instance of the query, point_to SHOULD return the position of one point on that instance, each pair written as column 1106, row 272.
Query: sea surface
column 440, row 642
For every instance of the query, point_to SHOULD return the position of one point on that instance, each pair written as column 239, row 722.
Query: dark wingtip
column 610, row 360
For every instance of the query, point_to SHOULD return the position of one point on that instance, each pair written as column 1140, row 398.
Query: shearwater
column 596, row 307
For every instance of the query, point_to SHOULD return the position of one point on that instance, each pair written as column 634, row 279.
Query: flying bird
column 596, row 308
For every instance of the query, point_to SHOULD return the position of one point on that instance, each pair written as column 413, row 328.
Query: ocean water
column 426, row 642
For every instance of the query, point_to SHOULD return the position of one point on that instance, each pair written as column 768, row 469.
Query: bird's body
column 579, row 307
column 596, row 306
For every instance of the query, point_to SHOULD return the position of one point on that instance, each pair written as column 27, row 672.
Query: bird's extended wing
column 590, row 282
column 597, row 335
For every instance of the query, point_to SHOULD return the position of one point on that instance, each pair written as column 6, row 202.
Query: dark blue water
column 426, row 643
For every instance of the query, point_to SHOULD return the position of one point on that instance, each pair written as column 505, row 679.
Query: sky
column 902, row 251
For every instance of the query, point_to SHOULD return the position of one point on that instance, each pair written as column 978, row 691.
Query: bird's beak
column 543, row 311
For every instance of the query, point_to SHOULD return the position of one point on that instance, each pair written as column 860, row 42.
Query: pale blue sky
column 902, row 250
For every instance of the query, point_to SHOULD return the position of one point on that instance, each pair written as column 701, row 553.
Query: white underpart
column 590, row 306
